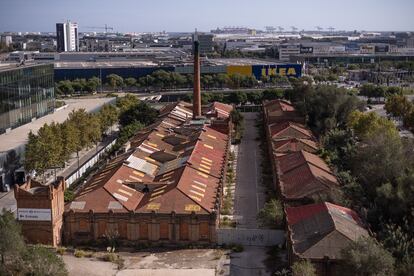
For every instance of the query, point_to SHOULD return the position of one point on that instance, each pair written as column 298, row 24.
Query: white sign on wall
column 34, row 214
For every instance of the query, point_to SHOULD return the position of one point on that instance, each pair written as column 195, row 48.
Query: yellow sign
column 153, row 206
column 192, row 208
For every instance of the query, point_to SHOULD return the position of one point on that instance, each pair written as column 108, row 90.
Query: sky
column 205, row 15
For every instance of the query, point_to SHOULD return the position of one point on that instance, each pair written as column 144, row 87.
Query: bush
column 69, row 195
column 79, row 253
column 303, row 268
column 61, row 250
column 110, row 257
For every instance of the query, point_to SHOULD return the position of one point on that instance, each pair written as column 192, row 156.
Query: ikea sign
column 287, row 70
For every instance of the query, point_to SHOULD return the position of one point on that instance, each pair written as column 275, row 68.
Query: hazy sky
column 185, row 15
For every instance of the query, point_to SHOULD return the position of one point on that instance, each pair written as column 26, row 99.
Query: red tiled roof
column 294, row 144
column 303, row 174
column 310, row 224
column 289, row 130
column 179, row 165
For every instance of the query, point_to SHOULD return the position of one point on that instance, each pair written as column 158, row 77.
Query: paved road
column 249, row 198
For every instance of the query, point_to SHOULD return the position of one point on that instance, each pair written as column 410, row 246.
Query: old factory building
column 164, row 185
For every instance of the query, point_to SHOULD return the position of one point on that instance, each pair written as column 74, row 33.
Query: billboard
column 287, row 70
column 34, row 214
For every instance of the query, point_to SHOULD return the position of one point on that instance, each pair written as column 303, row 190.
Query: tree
column 141, row 112
column 115, row 81
column 64, row 87
column 366, row 257
column 326, row 107
column 94, row 129
column 42, row 261
column 271, row 214
column 238, row 98
column 398, row 106
column 303, row 268
column 33, row 154
column 70, row 134
column 127, row 102
column 11, row 242
column 92, row 84
column 130, row 82
column 108, row 116
column 273, row 94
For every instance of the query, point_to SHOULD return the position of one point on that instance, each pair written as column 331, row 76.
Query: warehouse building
column 317, row 229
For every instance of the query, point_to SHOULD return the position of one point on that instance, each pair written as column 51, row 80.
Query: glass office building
column 26, row 92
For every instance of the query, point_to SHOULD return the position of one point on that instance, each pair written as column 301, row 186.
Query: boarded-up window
column 83, row 225
column 164, row 230
column 183, row 231
column 143, row 231
column 203, row 229
column 101, row 228
column 122, row 229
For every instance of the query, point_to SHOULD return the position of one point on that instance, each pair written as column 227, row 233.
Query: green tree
column 70, row 136
column 115, row 81
column 126, row 103
column 271, row 215
column 141, row 112
column 130, row 82
column 238, row 97
column 41, row 261
column 108, row 116
column 33, row 154
column 366, row 257
column 92, row 84
column 11, row 242
column 64, row 87
column 398, row 106
column 303, row 268
column 273, row 94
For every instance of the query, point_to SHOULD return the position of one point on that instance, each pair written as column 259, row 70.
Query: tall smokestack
column 197, row 88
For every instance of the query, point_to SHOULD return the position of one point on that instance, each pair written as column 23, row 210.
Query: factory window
column 164, row 231
column 183, row 231
column 204, row 231
column 101, row 228
column 122, row 229
column 83, row 225
column 143, row 231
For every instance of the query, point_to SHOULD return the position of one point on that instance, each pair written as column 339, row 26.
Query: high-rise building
column 6, row 39
column 67, row 37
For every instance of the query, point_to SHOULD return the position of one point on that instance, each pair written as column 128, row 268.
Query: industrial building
column 26, row 93
column 164, row 186
column 317, row 228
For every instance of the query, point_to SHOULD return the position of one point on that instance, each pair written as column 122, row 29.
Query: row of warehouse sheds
column 317, row 228
column 166, row 186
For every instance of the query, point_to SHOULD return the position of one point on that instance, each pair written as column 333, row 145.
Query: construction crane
column 106, row 27
column 319, row 28
column 294, row 29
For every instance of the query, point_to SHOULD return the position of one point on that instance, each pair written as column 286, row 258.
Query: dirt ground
column 175, row 262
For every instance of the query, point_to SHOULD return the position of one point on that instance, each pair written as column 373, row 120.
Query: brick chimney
column 197, row 88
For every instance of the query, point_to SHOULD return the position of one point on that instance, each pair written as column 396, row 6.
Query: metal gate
column 255, row 237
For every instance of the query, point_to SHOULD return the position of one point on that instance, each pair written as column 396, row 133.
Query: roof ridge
column 304, row 152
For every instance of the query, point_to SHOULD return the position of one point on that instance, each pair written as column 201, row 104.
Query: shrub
column 79, row 253
column 61, row 250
